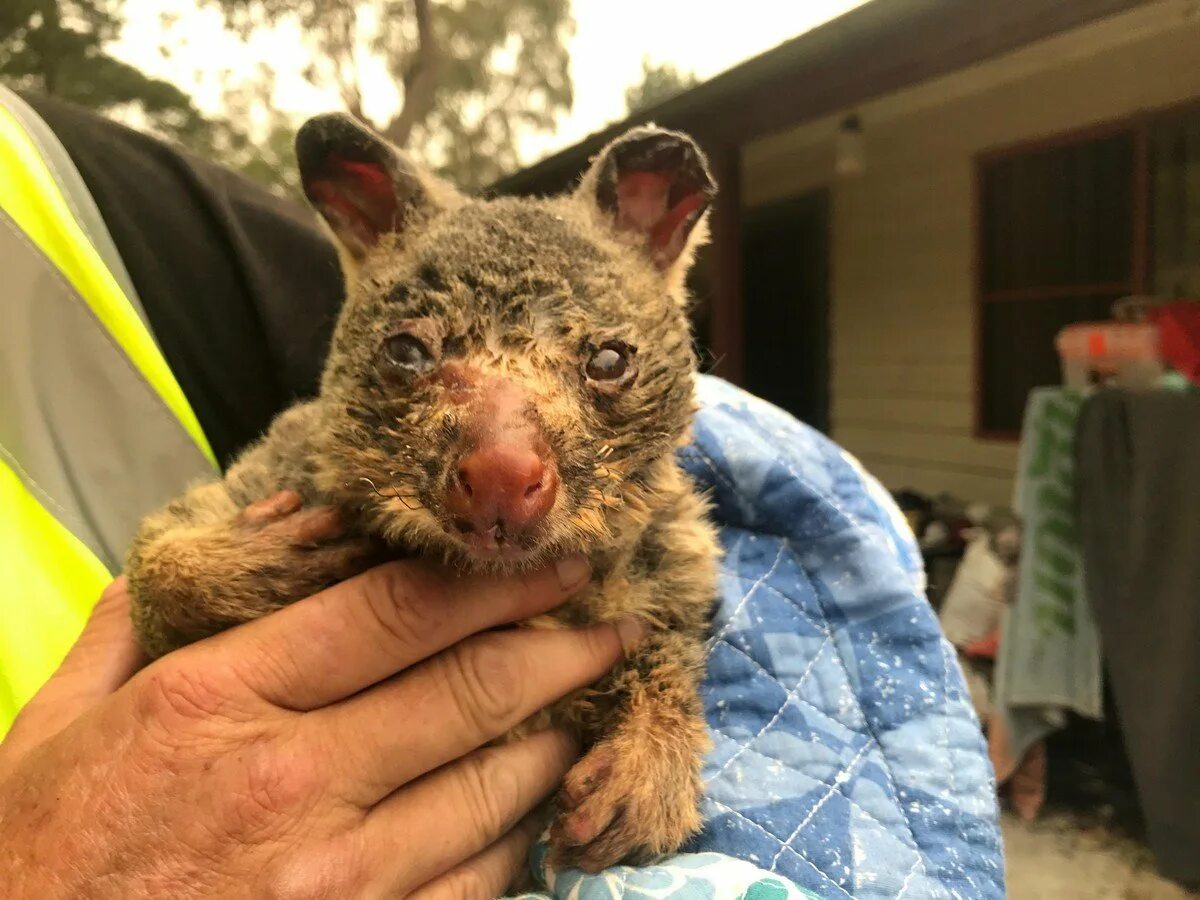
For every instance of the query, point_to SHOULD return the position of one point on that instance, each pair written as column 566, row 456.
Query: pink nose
column 505, row 485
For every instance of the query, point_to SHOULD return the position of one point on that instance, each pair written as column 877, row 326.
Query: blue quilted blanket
column 847, row 760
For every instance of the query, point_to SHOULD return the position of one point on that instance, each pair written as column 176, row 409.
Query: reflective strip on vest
column 30, row 195
column 74, row 191
column 94, row 430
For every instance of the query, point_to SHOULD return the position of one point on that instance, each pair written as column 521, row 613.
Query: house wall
column 903, row 289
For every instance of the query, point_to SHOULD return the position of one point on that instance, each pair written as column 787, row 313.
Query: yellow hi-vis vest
column 94, row 429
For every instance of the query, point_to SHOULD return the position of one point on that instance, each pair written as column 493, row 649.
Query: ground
column 1061, row 858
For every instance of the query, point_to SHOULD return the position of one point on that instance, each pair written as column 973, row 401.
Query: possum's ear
column 362, row 185
column 655, row 183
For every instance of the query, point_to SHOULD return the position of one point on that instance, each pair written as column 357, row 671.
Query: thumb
column 103, row 658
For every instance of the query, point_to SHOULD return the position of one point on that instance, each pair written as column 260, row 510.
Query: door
column 785, row 299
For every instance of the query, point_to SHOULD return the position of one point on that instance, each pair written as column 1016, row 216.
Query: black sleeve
column 241, row 288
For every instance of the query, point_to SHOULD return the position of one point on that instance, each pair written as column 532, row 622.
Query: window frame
column 1136, row 124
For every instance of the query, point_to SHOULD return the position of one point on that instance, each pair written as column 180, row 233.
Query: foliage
column 57, row 47
column 470, row 74
column 263, row 153
column 659, row 82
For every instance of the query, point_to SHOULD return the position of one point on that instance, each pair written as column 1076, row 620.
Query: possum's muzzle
column 504, row 484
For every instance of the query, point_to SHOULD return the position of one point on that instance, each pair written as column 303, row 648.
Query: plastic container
column 1127, row 354
column 1179, row 330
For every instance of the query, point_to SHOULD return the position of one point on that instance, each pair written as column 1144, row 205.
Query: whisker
column 405, row 500
column 371, row 484
column 395, row 494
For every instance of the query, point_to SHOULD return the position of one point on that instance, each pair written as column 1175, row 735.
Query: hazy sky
column 611, row 38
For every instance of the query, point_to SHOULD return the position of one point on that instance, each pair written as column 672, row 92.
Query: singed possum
column 507, row 384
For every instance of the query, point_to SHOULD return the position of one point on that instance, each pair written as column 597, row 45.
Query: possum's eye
column 408, row 353
column 414, row 347
column 611, row 365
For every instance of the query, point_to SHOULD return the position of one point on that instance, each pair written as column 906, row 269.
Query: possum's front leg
column 636, row 794
column 229, row 551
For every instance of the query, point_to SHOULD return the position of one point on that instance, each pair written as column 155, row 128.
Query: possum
column 507, row 383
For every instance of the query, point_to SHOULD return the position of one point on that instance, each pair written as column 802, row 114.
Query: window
column 1175, row 200
column 1067, row 228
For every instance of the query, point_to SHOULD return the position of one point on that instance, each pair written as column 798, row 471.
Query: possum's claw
column 624, row 803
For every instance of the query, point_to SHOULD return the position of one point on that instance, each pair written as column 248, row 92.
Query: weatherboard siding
column 902, row 233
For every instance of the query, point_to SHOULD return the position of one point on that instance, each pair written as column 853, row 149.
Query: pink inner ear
column 642, row 199
column 360, row 196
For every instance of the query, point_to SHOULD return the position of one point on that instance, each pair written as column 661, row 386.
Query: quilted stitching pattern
column 846, row 756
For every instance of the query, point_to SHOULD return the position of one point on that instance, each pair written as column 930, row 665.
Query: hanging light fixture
column 849, row 153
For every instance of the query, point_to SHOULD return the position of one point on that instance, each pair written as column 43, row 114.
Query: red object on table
column 1179, row 333
column 984, row 647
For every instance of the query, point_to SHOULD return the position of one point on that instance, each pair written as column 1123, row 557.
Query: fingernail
column 630, row 630
column 318, row 525
column 572, row 572
column 284, row 502
column 273, row 507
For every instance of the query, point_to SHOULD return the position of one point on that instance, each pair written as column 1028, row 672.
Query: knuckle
column 272, row 790
column 177, row 695
column 488, row 681
column 491, row 791
column 404, row 604
column 328, row 873
column 273, row 663
column 184, row 715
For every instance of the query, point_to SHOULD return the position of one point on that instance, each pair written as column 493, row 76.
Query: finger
column 485, row 875
column 336, row 643
column 461, row 699
column 456, row 812
column 104, row 657
column 312, row 526
column 274, row 507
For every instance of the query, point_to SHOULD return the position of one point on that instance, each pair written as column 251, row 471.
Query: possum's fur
column 521, row 290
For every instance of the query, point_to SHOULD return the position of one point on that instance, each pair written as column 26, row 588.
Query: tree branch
column 349, row 85
column 420, row 80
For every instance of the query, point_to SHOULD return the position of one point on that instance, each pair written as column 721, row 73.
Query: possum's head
column 509, row 378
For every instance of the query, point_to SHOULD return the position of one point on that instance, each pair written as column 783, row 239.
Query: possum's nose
column 506, row 485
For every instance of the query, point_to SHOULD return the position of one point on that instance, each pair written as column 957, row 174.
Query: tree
column 57, row 47
column 253, row 136
column 659, row 82
column 470, row 74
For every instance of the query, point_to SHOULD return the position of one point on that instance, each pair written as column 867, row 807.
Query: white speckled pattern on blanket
column 847, row 759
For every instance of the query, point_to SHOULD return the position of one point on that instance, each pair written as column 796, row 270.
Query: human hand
column 329, row 749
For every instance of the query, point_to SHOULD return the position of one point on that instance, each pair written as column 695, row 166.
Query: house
column 917, row 196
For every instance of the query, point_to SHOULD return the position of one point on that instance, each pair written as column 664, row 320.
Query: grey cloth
column 1139, row 494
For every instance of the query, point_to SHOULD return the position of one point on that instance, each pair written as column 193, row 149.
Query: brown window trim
column 1138, row 124
column 986, row 434
column 1051, row 292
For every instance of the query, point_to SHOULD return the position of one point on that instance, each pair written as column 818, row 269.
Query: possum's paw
column 191, row 581
column 630, row 799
